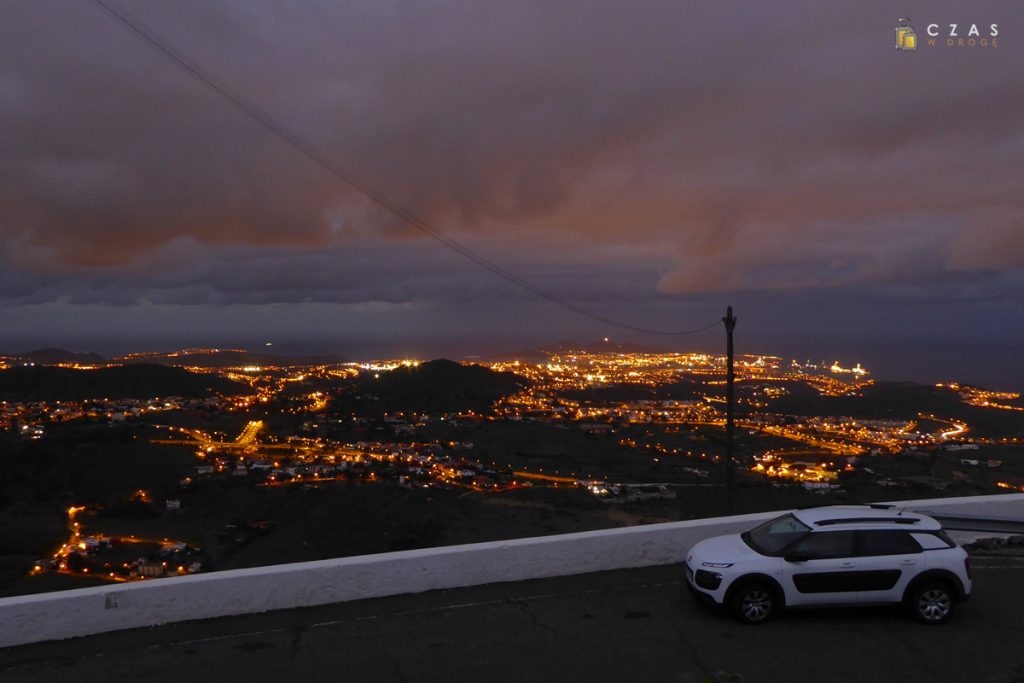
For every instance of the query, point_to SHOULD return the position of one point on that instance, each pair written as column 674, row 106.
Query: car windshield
column 773, row 536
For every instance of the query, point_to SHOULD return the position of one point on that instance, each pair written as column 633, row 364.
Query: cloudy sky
column 652, row 160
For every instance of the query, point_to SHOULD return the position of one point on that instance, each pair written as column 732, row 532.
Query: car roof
column 865, row 517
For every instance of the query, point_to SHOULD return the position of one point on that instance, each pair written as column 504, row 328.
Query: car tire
column 754, row 602
column 932, row 602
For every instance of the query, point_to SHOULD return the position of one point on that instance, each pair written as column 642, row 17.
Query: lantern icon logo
column 906, row 39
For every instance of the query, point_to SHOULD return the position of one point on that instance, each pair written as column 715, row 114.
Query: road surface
column 630, row 625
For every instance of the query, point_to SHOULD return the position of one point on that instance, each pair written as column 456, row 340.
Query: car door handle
column 847, row 565
column 908, row 561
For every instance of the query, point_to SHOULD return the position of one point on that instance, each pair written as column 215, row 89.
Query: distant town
column 590, row 436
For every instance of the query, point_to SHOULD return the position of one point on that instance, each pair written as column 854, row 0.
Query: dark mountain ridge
column 440, row 385
column 46, row 383
column 228, row 358
column 52, row 356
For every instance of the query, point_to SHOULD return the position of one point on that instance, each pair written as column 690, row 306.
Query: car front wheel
column 932, row 603
column 754, row 603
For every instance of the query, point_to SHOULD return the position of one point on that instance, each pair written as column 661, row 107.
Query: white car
column 836, row 555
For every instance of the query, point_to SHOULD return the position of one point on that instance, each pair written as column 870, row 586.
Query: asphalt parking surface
column 631, row 625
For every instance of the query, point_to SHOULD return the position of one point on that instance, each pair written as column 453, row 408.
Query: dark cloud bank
column 655, row 158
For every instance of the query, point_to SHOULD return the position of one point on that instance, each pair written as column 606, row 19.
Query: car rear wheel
column 754, row 603
column 932, row 603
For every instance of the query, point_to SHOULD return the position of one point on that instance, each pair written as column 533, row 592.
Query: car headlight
column 717, row 565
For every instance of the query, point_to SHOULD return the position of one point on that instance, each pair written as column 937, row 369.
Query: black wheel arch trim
column 943, row 575
column 747, row 579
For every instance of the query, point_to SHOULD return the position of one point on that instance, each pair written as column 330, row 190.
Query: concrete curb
column 85, row 611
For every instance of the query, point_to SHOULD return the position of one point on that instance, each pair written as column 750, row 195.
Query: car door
column 820, row 569
column 888, row 560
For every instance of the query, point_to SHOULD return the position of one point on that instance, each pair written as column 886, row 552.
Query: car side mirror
column 795, row 557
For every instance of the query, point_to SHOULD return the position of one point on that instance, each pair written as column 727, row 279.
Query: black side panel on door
column 878, row 580
column 827, row 582
column 841, row 582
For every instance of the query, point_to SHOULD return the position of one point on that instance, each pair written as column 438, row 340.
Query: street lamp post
column 730, row 410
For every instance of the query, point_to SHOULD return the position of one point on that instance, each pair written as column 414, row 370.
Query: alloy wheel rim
column 756, row 605
column 934, row 604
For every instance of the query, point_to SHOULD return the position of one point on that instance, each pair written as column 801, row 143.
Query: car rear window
column 934, row 541
column 887, row 543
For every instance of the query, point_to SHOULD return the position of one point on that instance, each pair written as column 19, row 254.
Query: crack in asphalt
column 694, row 657
column 692, row 648
column 297, row 634
column 534, row 620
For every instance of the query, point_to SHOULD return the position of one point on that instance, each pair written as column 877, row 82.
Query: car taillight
column 967, row 567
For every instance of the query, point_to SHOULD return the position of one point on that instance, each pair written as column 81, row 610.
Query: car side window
column 824, row 545
column 888, row 543
column 934, row 541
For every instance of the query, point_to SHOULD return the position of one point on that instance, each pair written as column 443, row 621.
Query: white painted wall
column 1008, row 506
column 66, row 614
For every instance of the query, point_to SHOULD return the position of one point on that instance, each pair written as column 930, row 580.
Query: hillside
column 682, row 390
column 228, row 358
column 901, row 401
column 888, row 400
column 42, row 383
column 440, row 386
column 52, row 356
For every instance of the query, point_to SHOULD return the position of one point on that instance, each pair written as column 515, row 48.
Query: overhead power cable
column 261, row 117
